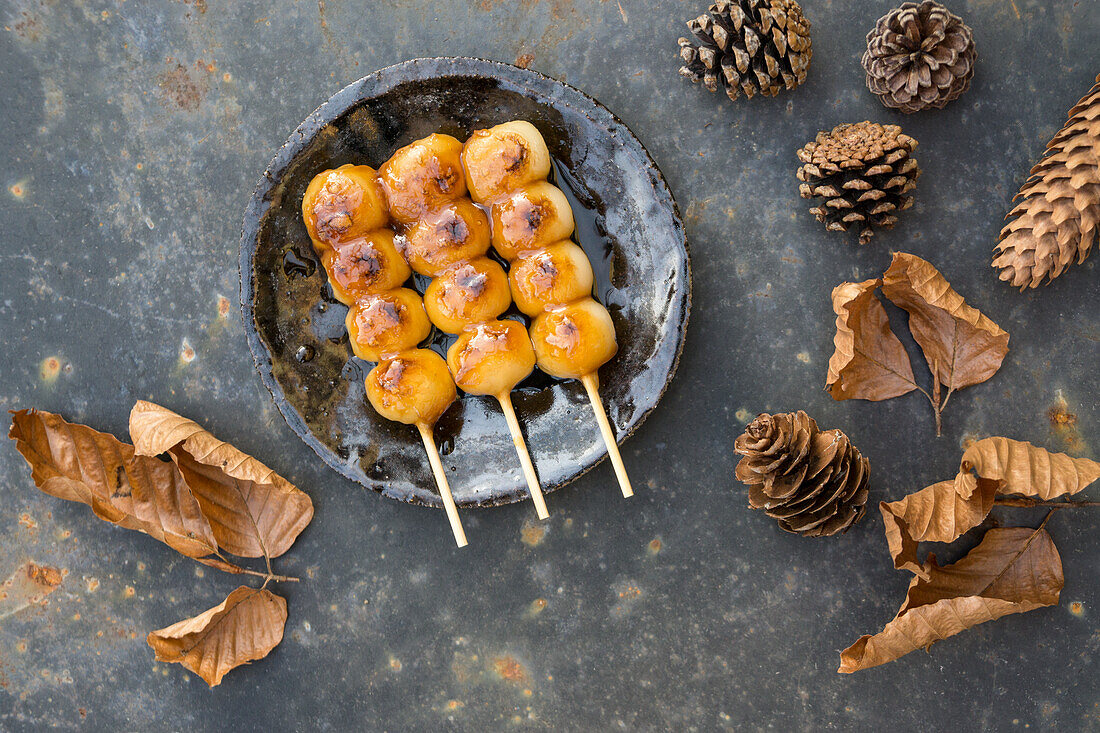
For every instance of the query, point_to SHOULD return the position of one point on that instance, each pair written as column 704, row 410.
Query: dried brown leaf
column 76, row 463
column 245, row 627
column 252, row 510
column 962, row 346
column 1011, row 571
column 1029, row 470
column 941, row 512
column 869, row 361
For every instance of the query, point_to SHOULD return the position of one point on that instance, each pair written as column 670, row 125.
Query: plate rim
column 344, row 100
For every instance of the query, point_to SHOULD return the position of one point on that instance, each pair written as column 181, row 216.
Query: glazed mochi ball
column 467, row 294
column 344, row 203
column 492, row 358
column 422, row 176
column 413, row 387
column 384, row 324
column 574, row 340
column 503, row 158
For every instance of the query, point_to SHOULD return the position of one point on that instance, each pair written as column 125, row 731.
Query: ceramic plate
column 627, row 222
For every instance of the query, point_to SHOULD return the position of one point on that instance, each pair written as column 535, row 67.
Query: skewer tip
column 441, row 484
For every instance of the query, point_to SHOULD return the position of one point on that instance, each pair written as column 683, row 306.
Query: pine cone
column 748, row 46
column 814, row 482
column 918, row 56
column 1058, row 216
column 863, row 171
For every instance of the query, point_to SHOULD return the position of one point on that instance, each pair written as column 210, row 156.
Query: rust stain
column 536, row 607
column 49, row 369
column 654, row 545
column 532, row 534
column 524, row 60
column 181, row 88
column 630, row 592
column 510, row 669
column 29, row 27
column 1063, row 424
column 627, row 593
column 129, row 592
column 92, row 584
column 18, row 191
column 223, row 306
column 455, row 704
column 695, row 209
column 28, row 586
column 187, row 352
column 1077, row 608
column 395, row 664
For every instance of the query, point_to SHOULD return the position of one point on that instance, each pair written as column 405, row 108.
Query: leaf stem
column 268, row 576
column 1040, row 502
column 937, row 408
column 271, row 576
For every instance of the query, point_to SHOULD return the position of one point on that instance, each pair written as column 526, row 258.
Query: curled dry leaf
column 1029, row 470
column 253, row 511
column 963, row 347
column 938, row 513
column 1011, row 571
column 869, row 362
column 76, row 463
column 245, row 627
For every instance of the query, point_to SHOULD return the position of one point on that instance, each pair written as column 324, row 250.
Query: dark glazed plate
column 627, row 221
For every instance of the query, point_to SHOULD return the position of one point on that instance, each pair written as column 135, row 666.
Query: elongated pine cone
column 1058, row 215
column 748, row 46
column 918, row 56
column 863, row 173
column 814, row 482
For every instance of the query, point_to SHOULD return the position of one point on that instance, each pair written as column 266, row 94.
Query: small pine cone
column 862, row 172
column 748, row 46
column 813, row 482
column 1058, row 216
column 919, row 56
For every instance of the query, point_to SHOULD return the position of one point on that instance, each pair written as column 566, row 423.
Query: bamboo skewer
column 441, row 483
column 505, row 400
column 592, row 385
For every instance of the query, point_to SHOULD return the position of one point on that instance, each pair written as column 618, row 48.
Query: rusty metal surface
column 134, row 132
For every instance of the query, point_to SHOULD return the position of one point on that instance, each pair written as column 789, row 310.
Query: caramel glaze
column 346, row 213
column 468, row 292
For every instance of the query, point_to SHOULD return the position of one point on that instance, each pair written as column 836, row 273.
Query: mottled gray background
column 133, row 135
